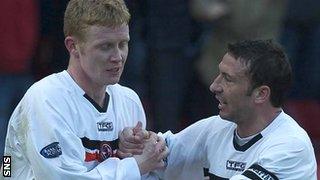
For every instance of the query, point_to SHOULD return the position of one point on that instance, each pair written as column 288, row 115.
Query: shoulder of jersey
column 124, row 91
column 290, row 130
column 52, row 85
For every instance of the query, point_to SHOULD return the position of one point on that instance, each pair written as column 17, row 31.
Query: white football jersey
column 281, row 151
column 58, row 132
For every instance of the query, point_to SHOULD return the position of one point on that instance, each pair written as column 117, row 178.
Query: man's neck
column 93, row 90
column 258, row 122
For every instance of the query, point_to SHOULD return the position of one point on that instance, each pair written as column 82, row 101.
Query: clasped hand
column 148, row 149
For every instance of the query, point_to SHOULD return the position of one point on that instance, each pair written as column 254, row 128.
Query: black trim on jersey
column 212, row 176
column 215, row 177
column 96, row 105
column 258, row 172
column 246, row 145
column 96, row 144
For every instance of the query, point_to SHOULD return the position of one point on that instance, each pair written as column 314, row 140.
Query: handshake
column 148, row 149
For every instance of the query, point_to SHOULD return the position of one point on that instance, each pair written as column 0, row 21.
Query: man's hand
column 132, row 141
column 154, row 153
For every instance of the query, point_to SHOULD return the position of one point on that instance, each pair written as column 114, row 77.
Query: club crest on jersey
column 105, row 126
column 235, row 165
column 105, row 151
column 97, row 150
column 53, row 150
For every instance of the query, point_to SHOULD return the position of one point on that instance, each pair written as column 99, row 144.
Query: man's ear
column 261, row 94
column 72, row 47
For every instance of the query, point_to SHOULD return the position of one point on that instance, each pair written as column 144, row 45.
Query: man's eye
column 106, row 46
column 227, row 79
column 123, row 44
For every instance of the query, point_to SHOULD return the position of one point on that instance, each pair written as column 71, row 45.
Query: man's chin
column 224, row 116
column 112, row 81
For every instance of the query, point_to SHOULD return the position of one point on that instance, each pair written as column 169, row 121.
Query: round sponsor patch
column 53, row 150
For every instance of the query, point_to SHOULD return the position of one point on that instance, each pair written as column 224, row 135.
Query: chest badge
column 235, row 165
column 105, row 126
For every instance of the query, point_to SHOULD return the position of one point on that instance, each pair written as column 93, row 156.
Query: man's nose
column 215, row 87
column 116, row 55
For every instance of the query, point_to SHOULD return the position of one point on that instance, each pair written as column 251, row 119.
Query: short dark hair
column 267, row 64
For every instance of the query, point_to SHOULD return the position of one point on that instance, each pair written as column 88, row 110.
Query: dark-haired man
column 252, row 137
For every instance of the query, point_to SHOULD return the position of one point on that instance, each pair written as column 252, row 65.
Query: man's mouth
column 221, row 102
column 114, row 70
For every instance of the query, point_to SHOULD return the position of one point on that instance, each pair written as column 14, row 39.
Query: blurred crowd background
column 175, row 48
